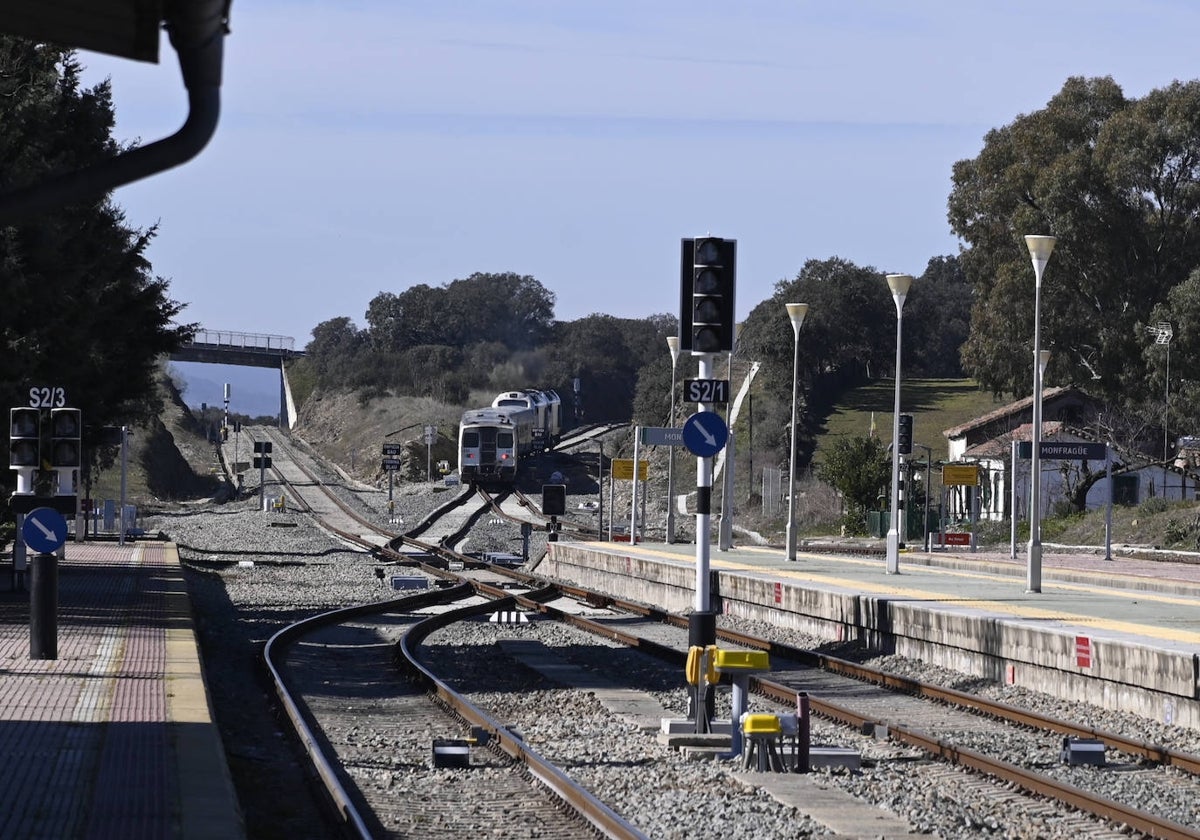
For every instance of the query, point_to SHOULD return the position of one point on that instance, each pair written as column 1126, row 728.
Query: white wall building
column 988, row 441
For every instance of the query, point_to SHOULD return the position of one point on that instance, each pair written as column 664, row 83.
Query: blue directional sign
column 44, row 530
column 705, row 433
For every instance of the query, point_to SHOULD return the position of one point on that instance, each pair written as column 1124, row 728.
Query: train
column 494, row 441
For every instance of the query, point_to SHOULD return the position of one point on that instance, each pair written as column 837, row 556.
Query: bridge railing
column 243, row 340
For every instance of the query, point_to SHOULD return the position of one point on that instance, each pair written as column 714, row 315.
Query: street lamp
column 796, row 313
column 899, row 284
column 1040, row 248
column 673, row 346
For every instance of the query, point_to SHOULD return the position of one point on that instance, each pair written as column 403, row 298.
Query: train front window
column 504, row 440
column 470, row 439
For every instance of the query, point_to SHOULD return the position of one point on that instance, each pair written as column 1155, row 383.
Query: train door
column 487, row 451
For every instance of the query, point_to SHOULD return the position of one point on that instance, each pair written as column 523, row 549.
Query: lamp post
column 899, row 285
column 1040, row 248
column 796, row 313
column 1162, row 335
column 673, row 346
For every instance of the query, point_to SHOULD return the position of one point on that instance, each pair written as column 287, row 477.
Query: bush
column 1153, row 505
column 854, row 524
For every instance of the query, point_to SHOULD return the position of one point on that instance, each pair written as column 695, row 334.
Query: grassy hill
column 936, row 405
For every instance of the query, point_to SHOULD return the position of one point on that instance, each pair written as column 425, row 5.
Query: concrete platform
column 1123, row 633
column 115, row 736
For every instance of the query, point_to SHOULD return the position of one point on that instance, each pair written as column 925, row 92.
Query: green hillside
column 936, row 405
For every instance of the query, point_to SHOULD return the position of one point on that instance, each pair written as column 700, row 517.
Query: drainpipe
column 197, row 31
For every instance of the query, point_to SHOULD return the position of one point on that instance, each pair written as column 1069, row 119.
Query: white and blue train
column 493, row 441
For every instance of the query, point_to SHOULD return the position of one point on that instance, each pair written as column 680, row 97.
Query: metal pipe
column 197, row 32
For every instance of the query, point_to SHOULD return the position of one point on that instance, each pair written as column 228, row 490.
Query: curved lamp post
column 796, row 313
column 1040, row 248
column 673, row 345
column 899, row 285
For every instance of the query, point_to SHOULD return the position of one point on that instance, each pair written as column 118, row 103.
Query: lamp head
column 899, row 284
column 1040, row 248
column 796, row 313
column 673, row 346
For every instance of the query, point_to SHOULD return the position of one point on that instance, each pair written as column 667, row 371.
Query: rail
column 244, row 340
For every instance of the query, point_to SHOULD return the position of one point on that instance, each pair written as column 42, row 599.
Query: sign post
column 430, row 437
column 391, row 463
column 45, row 531
column 262, row 460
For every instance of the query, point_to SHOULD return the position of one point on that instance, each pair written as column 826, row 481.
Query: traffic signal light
column 24, row 437
column 65, row 445
column 708, row 280
column 712, row 295
column 66, row 449
column 904, row 441
column 554, row 499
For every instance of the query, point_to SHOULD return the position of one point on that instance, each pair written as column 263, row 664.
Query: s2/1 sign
column 706, row 390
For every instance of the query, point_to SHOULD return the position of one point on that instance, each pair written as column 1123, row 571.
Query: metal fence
column 258, row 341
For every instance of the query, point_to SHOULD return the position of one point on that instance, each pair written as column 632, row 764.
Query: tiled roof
column 1001, row 446
column 1007, row 410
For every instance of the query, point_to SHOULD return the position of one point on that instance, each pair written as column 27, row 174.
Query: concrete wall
column 1162, row 683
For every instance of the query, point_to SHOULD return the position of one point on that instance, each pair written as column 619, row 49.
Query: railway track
column 949, row 726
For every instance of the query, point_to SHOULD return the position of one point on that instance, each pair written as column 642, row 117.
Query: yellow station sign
column 622, row 469
column 961, row 474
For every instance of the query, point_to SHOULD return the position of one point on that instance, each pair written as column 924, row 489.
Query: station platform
column 114, row 738
column 1122, row 633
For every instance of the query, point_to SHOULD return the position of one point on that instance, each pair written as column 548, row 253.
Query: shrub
column 1153, row 505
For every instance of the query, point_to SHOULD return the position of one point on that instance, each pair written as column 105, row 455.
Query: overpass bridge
column 226, row 347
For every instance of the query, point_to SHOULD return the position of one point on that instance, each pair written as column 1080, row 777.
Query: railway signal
column 554, row 499
column 24, row 446
column 905, row 439
column 708, row 271
column 66, row 447
column 24, row 437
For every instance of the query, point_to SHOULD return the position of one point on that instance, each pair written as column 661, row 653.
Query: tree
column 937, row 320
column 841, row 344
column 82, row 309
column 334, row 351
column 1117, row 180
column 859, row 468
column 607, row 355
column 512, row 309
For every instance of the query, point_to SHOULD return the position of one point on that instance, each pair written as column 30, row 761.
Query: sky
column 367, row 146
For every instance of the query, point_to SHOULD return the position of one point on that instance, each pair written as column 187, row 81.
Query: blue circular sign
column 44, row 530
column 705, row 433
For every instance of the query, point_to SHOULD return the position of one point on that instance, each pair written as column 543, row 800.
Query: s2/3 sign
column 43, row 397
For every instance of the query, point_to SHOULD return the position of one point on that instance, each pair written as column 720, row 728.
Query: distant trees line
column 497, row 331
column 484, row 332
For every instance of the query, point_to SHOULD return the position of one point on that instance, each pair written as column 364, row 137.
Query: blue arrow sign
column 44, row 530
column 705, row 433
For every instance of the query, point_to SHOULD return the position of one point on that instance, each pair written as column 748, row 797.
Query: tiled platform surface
column 114, row 738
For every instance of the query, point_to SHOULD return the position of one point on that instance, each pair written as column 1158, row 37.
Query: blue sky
column 371, row 146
